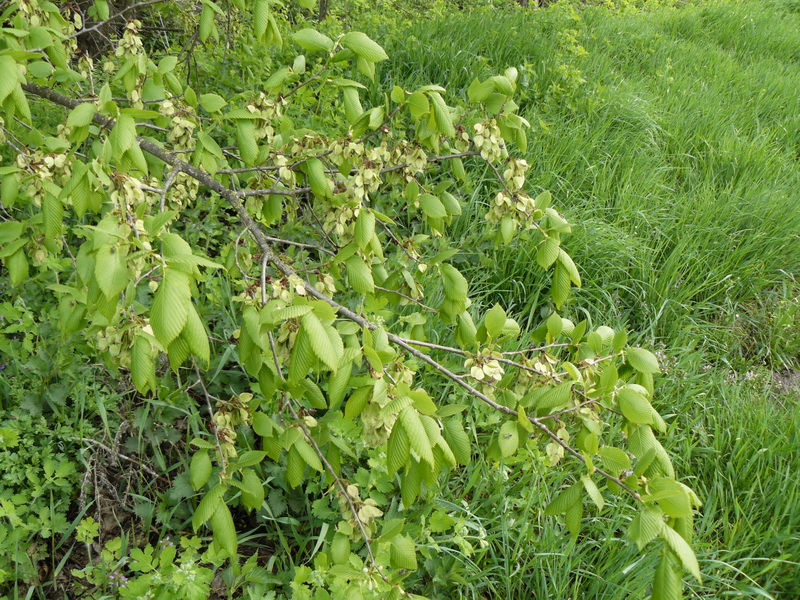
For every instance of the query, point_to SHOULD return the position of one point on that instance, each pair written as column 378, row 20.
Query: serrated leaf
column 397, row 450
column 17, row 265
column 495, row 321
column 143, row 366
column 308, row 454
column 412, row 424
column 212, row 102
column 642, row 360
column 402, row 554
column 317, row 180
column 614, row 459
column 673, row 498
column 508, row 439
column 252, row 490
column 123, row 135
column 340, row 549
column 200, row 469
column 564, row 500
column 635, row 407
column 295, row 467
column 170, row 309
column 418, row 105
column 458, row 440
column 359, row 275
column 246, row 141
column 81, row 115
column 555, row 397
column 302, row 357
column 432, row 207
column 565, row 260
column 111, row 270
column 312, row 40
column 646, row 526
column 454, row 283
column 194, row 332
column 224, row 530
column 667, row 584
column 363, row 46
column 560, row 288
column 364, row 228
column 682, row 550
column 53, row 216
column 208, row 505
column 441, row 113
column 594, row 493
column 548, row 252
column 320, row 342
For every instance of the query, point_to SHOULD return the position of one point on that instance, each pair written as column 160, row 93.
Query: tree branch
column 261, row 239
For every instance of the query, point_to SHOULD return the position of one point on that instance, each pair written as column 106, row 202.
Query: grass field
column 673, row 143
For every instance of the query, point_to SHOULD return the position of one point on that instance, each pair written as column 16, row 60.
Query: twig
column 112, row 17
column 208, row 397
column 143, row 466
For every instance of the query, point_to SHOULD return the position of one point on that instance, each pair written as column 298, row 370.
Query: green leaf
column 10, row 231
column 170, row 309
column 458, row 440
column 359, row 275
column 441, row 113
column 560, row 287
column 564, row 500
column 212, row 102
column 495, row 321
column 363, row 46
column 397, row 450
column 646, row 526
column 17, row 265
column 143, row 366
column 594, row 493
column 208, row 505
column 123, row 136
column 195, row 335
column 548, row 252
column 682, row 550
column 673, row 498
column 308, row 454
column 412, row 424
column 81, row 115
column 401, row 553
column 508, row 439
column 224, row 530
column 53, row 215
column 418, row 105
column 454, row 283
column 565, row 260
column 432, row 207
column 200, row 469
column 321, row 344
column 642, row 360
column 317, row 179
column 365, row 228
column 667, row 584
column 614, row 459
column 311, row 40
column 340, row 549
column 8, row 77
column 252, row 490
column 246, row 141
column 111, row 270
column 634, row 406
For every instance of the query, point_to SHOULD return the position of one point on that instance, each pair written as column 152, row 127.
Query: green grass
column 677, row 160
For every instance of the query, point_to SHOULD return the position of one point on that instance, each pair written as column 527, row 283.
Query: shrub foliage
column 277, row 261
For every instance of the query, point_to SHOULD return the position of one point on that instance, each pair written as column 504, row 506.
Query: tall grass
column 678, row 161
